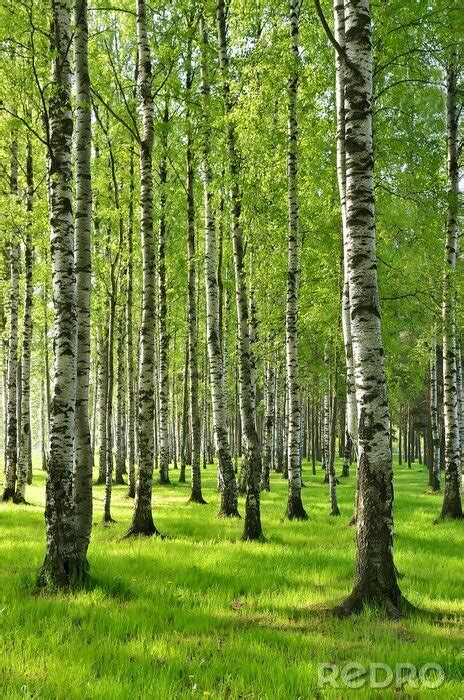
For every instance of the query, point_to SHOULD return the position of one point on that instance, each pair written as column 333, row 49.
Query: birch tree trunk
column 163, row 333
column 295, row 508
column 375, row 575
column 82, row 249
column 452, row 505
column 61, row 563
column 227, row 477
column 436, row 442
column 351, row 410
column 269, row 403
column 121, row 398
column 24, row 453
column 252, row 525
column 195, row 492
column 11, row 450
column 129, row 336
column 109, row 397
column 185, row 436
column 142, row 520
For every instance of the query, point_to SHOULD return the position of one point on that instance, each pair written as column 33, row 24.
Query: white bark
column 11, row 451
column 227, row 476
column 84, row 458
column 60, row 563
column 24, row 452
column 452, row 504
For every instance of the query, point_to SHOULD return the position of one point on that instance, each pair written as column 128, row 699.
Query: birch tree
column 228, row 484
column 142, row 520
column 375, row 574
column 83, row 458
column 195, row 491
column 452, row 505
column 295, row 508
column 252, row 526
column 61, row 564
column 11, row 450
column 24, row 442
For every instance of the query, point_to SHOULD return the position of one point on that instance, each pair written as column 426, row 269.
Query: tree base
column 57, row 574
column 295, row 509
column 393, row 604
column 197, row 498
column 142, row 531
column 229, row 513
column 252, row 532
column 108, row 520
column 182, row 479
column 163, row 481
column 101, row 481
column 8, row 494
column 142, row 524
column 131, row 493
column 119, row 481
column 20, row 500
column 335, row 511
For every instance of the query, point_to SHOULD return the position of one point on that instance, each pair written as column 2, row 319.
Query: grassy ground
column 204, row 614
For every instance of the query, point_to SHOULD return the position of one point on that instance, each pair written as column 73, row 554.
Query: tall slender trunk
column 452, row 504
column 252, row 526
column 195, row 492
column 11, row 452
column 121, row 397
column 436, row 442
column 460, row 365
column 375, row 575
column 295, row 508
column 334, row 509
column 227, row 477
column 24, row 453
column 109, row 398
column 129, row 337
column 163, row 367
column 102, row 343
column 61, row 562
column 82, row 249
column 339, row 32
column 185, row 434
column 269, row 403
column 142, row 521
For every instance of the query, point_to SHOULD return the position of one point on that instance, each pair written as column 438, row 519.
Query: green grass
column 204, row 614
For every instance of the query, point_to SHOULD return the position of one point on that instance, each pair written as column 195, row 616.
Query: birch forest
column 231, row 348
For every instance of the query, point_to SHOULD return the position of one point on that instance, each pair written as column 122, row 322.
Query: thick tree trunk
column 252, row 527
column 375, row 575
column 142, row 521
column 295, row 509
column 83, row 458
column 11, row 451
column 61, row 564
column 452, row 505
column 24, row 454
column 225, row 467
